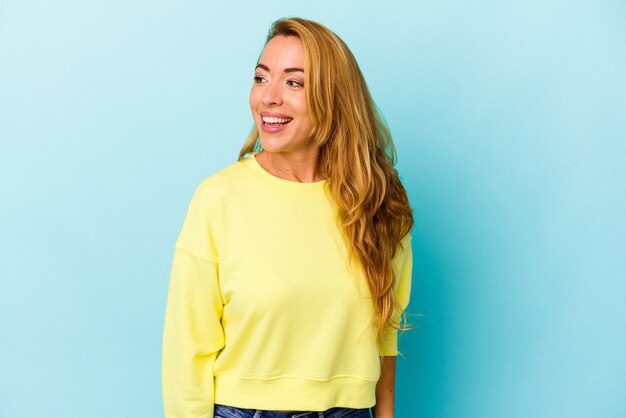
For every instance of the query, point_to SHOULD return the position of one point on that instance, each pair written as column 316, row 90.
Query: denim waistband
column 226, row 411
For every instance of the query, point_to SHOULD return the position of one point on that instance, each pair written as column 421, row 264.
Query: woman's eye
column 258, row 79
column 295, row 83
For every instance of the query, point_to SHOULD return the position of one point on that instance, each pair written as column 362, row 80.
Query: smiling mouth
column 275, row 122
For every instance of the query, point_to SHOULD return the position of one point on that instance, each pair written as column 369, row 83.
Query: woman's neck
column 303, row 168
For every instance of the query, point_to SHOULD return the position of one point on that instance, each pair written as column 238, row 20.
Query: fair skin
column 385, row 388
column 278, row 93
column 279, row 108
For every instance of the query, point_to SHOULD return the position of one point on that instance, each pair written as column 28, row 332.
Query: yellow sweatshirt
column 264, row 310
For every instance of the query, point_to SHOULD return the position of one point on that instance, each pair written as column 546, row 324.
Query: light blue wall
column 509, row 122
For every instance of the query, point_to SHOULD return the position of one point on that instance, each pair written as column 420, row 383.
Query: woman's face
column 277, row 98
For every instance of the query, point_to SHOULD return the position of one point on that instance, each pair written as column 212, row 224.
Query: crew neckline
column 289, row 188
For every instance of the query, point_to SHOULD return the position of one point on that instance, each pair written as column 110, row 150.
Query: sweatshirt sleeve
column 402, row 267
column 192, row 332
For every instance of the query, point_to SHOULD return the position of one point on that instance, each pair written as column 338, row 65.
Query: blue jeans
column 225, row 411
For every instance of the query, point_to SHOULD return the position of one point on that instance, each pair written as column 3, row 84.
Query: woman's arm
column 385, row 388
column 192, row 337
column 192, row 332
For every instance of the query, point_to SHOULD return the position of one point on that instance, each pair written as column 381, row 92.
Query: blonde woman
column 293, row 265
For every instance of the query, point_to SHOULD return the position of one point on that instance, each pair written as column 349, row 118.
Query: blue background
column 509, row 122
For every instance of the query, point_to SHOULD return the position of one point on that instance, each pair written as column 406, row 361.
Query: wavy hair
column 357, row 156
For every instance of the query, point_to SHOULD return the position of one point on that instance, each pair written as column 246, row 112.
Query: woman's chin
column 271, row 145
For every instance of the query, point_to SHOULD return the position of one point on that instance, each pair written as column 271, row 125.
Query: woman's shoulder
column 225, row 179
column 215, row 192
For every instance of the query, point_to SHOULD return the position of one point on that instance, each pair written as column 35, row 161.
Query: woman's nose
column 272, row 94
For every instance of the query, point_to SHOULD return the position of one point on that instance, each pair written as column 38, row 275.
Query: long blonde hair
column 357, row 156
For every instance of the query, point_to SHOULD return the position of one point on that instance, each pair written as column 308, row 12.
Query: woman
column 293, row 264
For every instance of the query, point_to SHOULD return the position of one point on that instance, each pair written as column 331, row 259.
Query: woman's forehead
column 282, row 52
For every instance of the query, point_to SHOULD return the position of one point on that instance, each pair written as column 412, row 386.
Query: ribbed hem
column 294, row 393
column 288, row 188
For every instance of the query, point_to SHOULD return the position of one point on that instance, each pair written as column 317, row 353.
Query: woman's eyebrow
column 287, row 70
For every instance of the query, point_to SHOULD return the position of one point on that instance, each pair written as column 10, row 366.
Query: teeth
column 267, row 119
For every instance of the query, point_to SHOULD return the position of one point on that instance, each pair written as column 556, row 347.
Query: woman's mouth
column 272, row 122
